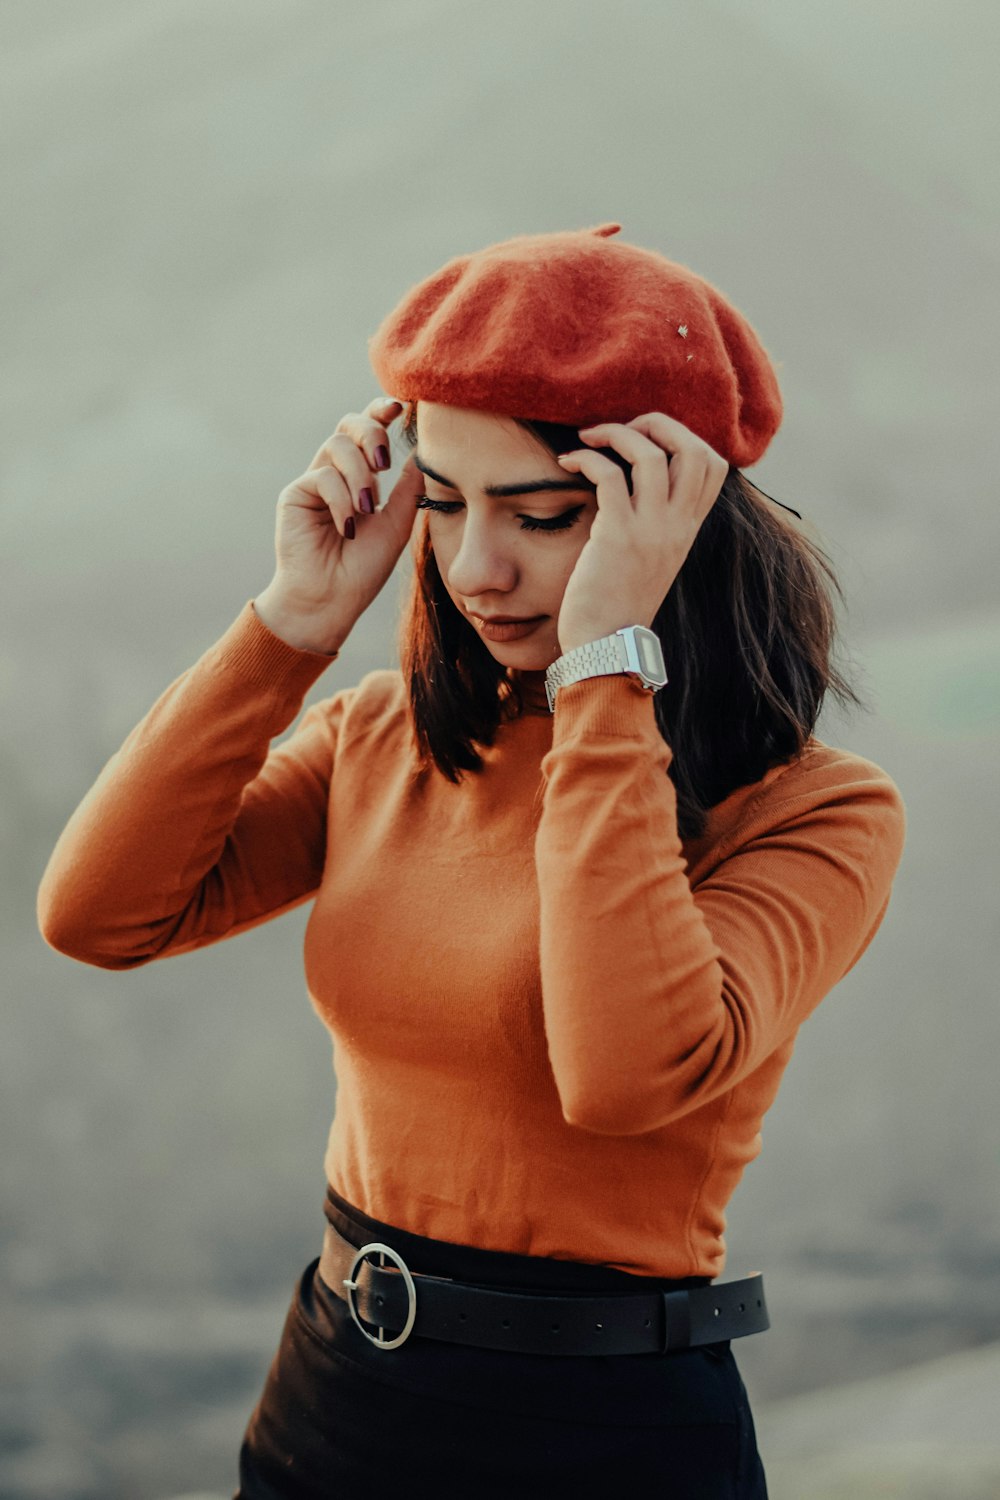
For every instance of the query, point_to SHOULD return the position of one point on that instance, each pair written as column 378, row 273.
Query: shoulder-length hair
column 748, row 629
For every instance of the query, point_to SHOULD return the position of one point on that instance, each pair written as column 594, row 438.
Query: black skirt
column 340, row 1419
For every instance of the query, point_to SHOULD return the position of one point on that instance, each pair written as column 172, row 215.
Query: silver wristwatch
column 633, row 649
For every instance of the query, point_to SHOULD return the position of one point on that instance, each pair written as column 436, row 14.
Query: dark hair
column 747, row 627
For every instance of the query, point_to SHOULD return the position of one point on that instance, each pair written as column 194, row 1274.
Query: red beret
column 576, row 327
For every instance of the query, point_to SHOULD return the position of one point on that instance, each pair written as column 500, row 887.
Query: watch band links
column 609, row 655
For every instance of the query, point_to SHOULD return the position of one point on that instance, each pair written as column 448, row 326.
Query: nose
column 481, row 566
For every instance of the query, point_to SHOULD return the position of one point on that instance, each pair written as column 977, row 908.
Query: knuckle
column 330, row 485
column 385, row 405
column 345, row 462
column 352, row 449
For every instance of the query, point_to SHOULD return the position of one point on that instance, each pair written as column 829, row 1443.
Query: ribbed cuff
column 612, row 704
column 250, row 650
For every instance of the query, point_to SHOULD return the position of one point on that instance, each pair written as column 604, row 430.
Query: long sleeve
column 193, row 831
column 658, row 996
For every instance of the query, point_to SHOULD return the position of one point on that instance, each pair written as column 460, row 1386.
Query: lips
column 511, row 630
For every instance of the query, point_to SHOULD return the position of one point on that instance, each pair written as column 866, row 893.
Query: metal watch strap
column 594, row 659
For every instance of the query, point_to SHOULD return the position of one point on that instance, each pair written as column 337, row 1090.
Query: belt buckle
column 411, row 1294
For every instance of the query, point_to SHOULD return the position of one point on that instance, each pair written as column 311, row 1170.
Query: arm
column 193, row 832
column 657, row 997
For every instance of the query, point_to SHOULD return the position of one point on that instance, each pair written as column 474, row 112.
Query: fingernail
column 366, row 500
column 349, row 527
column 381, row 457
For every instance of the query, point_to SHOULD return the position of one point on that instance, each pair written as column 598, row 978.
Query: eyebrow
column 503, row 491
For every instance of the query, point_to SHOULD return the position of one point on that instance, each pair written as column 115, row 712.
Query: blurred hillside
column 209, row 211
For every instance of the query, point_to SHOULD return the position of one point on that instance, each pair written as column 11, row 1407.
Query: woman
column 568, row 914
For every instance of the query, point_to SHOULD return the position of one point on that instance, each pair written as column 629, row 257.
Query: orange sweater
column 556, row 1027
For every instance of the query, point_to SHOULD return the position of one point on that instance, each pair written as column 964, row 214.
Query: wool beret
column 578, row 327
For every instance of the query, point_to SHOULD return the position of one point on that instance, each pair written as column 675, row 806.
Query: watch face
column 650, row 655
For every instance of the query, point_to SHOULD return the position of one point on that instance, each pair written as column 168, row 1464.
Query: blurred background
column 209, row 210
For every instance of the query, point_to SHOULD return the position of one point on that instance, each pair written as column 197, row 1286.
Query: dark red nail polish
column 366, row 500
column 349, row 527
column 381, row 457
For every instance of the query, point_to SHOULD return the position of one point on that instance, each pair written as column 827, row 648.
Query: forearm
column 660, row 994
column 134, row 861
column 631, row 983
column 299, row 628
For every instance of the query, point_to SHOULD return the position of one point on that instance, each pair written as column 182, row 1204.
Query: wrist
column 585, row 635
column 297, row 628
column 579, row 638
column 631, row 649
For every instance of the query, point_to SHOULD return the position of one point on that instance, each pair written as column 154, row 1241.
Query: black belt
column 438, row 1307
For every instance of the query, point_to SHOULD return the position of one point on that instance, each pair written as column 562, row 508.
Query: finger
column 683, row 473
column 324, row 487
column 612, row 491
column 375, row 440
column 681, row 441
column 368, row 430
column 384, row 409
column 400, row 509
column 651, row 480
column 348, row 427
column 667, row 431
column 695, row 480
column 344, row 452
column 351, row 459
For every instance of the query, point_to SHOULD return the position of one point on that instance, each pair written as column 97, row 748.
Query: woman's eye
column 528, row 523
column 424, row 502
column 557, row 523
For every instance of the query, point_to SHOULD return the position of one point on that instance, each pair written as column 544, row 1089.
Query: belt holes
column 379, row 1301
column 646, row 1323
column 743, row 1307
column 758, row 1301
column 506, row 1323
column 555, row 1328
column 461, row 1317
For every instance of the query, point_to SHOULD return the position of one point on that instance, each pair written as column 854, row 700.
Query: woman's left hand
column 637, row 542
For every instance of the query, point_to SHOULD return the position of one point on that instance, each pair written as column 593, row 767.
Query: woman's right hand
column 333, row 556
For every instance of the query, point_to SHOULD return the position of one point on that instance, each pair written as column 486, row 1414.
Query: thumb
column 401, row 507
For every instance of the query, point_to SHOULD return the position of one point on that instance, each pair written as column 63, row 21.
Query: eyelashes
column 528, row 523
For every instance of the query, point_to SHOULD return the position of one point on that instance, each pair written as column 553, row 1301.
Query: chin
column 523, row 656
column 524, row 661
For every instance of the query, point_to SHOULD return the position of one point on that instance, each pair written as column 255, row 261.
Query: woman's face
column 501, row 555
